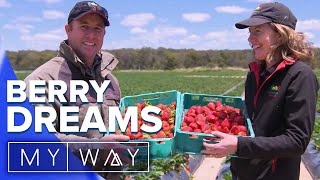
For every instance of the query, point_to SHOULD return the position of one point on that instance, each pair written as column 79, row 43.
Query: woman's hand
column 226, row 146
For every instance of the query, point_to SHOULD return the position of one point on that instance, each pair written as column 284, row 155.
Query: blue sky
column 178, row 24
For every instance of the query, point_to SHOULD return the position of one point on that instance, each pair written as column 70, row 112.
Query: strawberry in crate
column 214, row 117
column 167, row 116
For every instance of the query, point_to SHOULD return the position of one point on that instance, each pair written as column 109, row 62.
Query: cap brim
column 106, row 21
column 251, row 22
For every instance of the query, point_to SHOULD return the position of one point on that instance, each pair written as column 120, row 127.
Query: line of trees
column 152, row 59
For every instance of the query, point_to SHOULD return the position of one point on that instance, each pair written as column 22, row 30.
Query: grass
column 204, row 82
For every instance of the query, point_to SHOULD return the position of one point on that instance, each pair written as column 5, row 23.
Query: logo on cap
column 258, row 9
column 92, row 4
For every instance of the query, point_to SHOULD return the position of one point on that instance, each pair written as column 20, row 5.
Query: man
column 80, row 58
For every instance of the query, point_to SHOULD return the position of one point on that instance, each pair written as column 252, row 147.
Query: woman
column 281, row 92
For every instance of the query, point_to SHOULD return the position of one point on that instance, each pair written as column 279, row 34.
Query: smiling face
column 262, row 38
column 85, row 36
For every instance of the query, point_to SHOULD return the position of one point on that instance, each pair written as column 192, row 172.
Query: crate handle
column 149, row 99
column 161, row 142
column 193, row 136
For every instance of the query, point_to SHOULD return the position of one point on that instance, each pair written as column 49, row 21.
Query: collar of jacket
column 108, row 61
column 255, row 68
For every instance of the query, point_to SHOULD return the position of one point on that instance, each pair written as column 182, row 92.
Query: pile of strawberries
column 167, row 116
column 214, row 117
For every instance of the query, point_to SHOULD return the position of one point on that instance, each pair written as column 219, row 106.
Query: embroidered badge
column 274, row 90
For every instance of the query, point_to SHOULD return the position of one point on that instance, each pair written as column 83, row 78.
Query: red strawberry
column 210, row 118
column 208, row 131
column 211, row 106
column 239, row 120
column 232, row 115
column 170, row 135
column 161, row 134
column 235, row 130
column 204, row 127
column 200, row 123
column 234, row 124
column 184, row 124
column 225, row 130
column 186, row 129
column 225, row 123
column 188, row 168
column 199, row 110
column 218, row 103
column 190, row 120
column 193, row 125
column 200, row 117
column 242, row 128
column 220, row 108
column 165, row 126
column 165, row 115
column 153, row 136
column 242, row 133
column 222, row 115
column 214, row 127
column 138, row 135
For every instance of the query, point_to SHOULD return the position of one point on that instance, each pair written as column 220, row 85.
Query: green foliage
column 146, row 58
column 316, row 134
column 227, row 176
column 203, row 82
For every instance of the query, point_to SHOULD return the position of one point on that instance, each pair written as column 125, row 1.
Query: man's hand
column 114, row 137
column 226, row 146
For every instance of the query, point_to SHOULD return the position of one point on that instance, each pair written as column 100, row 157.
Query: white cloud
column 45, row 1
column 231, row 9
column 52, row 1
column 260, row 1
column 41, row 37
column 53, row 14
column 158, row 37
column 192, row 39
column 309, row 35
column 164, row 32
column 5, row 4
column 312, row 24
column 28, row 19
column 138, row 20
column 137, row 30
column 226, row 39
column 22, row 28
column 45, row 40
column 196, row 17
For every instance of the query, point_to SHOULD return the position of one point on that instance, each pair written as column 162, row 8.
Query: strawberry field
column 188, row 81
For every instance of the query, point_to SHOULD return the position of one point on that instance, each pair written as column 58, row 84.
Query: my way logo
column 65, row 156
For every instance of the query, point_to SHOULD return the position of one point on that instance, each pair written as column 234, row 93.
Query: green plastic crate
column 161, row 147
column 192, row 142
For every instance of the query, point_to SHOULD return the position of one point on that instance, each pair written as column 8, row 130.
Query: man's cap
column 269, row 12
column 84, row 7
